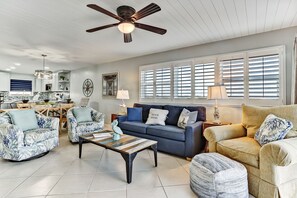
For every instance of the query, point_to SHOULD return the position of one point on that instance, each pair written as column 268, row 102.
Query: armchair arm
column 12, row 137
column 71, row 121
column 98, row 117
column 280, row 153
column 218, row 133
column 122, row 118
column 47, row 122
column 194, row 140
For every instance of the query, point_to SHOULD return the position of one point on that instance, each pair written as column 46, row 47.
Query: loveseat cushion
column 137, row 127
column 146, row 110
column 167, row 131
column 245, row 150
column 88, row 127
column 38, row 135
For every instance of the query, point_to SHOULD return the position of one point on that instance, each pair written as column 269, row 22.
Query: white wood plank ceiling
column 57, row 28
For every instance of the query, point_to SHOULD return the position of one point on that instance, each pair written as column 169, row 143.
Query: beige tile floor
column 99, row 173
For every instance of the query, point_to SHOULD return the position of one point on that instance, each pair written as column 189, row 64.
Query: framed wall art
column 110, row 83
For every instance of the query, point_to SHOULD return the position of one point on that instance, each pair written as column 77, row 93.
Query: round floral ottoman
column 214, row 175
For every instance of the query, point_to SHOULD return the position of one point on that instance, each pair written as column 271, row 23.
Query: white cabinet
column 4, row 81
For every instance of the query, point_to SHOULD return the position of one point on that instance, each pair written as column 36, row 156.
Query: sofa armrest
column 218, row 133
column 71, row 122
column 47, row 122
column 194, row 140
column 122, row 118
column 11, row 137
column 280, row 153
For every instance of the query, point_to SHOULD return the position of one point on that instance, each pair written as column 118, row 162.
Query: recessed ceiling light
column 17, row 64
column 7, row 69
column 46, row 68
column 12, row 67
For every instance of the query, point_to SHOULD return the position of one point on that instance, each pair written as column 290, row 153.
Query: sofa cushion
column 146, row 110
column 88, row 127
column 134, row 114
column 137, row 127
column 253, row 117
column 175, row 111
column 186, row 118
column 245, row 150
column 24, row 119
column 157, row 116
column 82, row 114
column 38, row 135
column 272, row 129
column 168, row 132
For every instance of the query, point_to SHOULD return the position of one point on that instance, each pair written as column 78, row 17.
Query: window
column 182, row 81
column 21, row 86
column 204, row 77
column 264, row 77
column 163, row 82
column 249, row 77
column 232, row 76
column 147, row 84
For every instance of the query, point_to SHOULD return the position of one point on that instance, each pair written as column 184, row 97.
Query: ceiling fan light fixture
column 126, row 27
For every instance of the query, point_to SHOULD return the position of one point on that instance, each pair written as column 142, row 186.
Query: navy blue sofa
column 171, row 139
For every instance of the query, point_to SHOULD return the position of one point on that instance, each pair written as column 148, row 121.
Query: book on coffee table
column 102, row 135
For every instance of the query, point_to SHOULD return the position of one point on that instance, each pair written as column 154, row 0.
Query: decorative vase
column 116, row 136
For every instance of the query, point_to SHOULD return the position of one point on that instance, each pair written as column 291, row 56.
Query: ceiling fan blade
column 150, row 28
column 146, row 11
column 102, row 10
column 101, row 27
column 127, row 38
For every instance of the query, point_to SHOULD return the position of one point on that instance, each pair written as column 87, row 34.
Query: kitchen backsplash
column 42, row 96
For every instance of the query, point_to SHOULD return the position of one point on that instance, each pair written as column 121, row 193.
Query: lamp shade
column 217, row 92
column 126, row 27
column 123, row 94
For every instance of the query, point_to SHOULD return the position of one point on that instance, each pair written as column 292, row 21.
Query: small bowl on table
column 25, row 101
column 46, row 100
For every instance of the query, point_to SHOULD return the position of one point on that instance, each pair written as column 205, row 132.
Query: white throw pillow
column 273, row 128
column 157, row 116
column 186, row 117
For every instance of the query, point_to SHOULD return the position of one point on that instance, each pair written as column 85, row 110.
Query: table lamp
column 123, row 95
column 216, row 92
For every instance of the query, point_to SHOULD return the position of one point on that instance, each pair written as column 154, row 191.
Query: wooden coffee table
column 128, row 146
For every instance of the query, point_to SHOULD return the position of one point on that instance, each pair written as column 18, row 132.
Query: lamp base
column 122, row 110
column 216, row 115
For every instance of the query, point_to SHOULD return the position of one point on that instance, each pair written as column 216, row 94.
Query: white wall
column 128, row 69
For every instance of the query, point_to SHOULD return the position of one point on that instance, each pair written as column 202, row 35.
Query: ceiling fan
column 128, row 17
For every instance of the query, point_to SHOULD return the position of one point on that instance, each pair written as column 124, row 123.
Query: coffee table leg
column 154, row 147
column 80, row 141
column 129, row 164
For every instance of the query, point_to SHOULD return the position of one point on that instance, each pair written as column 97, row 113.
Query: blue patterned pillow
column 273, row 128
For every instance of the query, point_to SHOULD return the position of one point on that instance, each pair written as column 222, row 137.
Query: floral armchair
column 18, row 145
column 75, row 128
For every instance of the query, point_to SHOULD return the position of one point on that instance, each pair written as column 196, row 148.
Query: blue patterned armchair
column 18, row 145
column 75, row 128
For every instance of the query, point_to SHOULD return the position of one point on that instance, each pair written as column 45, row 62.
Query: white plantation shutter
column 232, row 75
column 264, row 79
column 163, row 82
column 183, row 81
column 204, row 77
column 147, row 84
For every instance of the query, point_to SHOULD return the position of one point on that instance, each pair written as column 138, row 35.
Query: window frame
column 216, row 59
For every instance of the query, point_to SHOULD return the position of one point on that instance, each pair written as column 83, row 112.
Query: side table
column 114, row 116
column 211, row 124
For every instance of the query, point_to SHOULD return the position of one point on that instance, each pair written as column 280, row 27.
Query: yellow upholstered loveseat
column 272, row 168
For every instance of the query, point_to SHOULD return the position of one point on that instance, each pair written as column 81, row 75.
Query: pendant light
column 43, row 74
